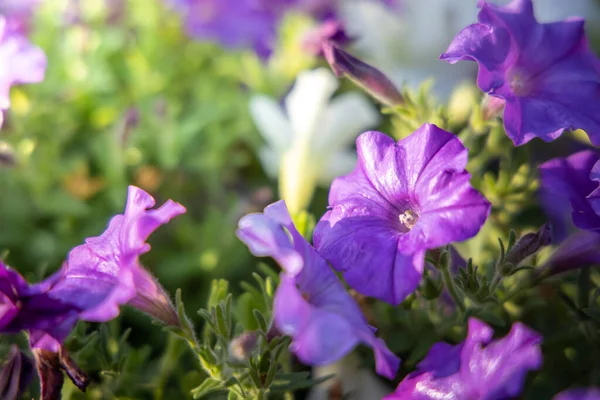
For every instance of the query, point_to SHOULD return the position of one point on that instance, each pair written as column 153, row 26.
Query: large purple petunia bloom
column 546, row 73
column 97, row 278
column 478, row 368
column 573, row 180
column 402, row 199
column 20, row 62
column 311, row 305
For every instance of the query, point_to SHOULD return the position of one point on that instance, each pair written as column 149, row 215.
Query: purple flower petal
column 311, row 305
column 546, row 73
column 570, row 179
column 402, row 199
column 479, row 368
column 99, row 276
column 20, row 62
column 579, row 394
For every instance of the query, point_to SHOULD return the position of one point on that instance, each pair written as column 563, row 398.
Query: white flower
column 309, row 143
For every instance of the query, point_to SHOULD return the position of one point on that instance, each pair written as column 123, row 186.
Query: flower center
column 519, row 82
column 408, row 219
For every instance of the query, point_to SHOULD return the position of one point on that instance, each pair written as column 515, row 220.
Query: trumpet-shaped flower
column 478, row 368
column 308, row 144
column 311, row 305
column 546, row 73
column 401, row 199
column 574, row 180
column 20, row 62
column 97, row 278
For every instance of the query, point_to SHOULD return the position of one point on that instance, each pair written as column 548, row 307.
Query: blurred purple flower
column 546, row 73
column 579, row 250
column 401, row 199
column 311, row 305
column 20, row 62
column 242, row 24
column 573, row 180
column 235, row 24
column 18, row 14
column 579, row 394
column 478, row 368
column 98, row 277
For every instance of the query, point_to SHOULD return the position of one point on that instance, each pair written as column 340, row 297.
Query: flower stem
column 449, row 282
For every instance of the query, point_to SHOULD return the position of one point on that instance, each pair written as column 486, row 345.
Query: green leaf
column 208, row 386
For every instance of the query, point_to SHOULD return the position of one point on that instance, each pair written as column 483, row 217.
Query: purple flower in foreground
column 579, row 394
column 573, row 180
column 98, row 277
column 478, row 368
column 402, row 199
column 20, row 62
column 546, row 73
column 311, row 305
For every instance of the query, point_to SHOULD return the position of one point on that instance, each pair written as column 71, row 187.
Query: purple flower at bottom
column 402, row 199
column 546, row 73
column 573, row 180
column 311, row 305
column 20, row 62
column 478, row 368
column 579, row 394
column 97, row 278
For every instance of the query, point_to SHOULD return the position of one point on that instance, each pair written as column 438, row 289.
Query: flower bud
column 241, row 347
column 362, row 74
column 529, row 244
column 15, row 375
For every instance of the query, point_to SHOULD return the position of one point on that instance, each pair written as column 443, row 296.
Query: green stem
column 449, row 282
column 583, row 287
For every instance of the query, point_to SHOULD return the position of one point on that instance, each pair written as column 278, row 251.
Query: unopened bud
column 241, row 347
column 362, row 74
column 15, row 375
column 529, row 244
column 330, row 30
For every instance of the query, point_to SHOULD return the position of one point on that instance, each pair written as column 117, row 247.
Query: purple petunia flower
column 573, row 180
column 18, row 14
column 20, row 62
column 402, row 199
column 579, row 394
column 311, row 305
column 97, row 278
column 478, row 368
column 236, row 23
column 546, row 73
column 242, row 24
